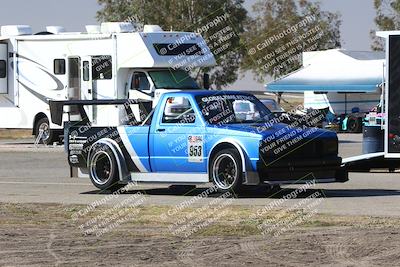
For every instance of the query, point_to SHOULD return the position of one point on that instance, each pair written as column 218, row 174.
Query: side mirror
column 206, row 81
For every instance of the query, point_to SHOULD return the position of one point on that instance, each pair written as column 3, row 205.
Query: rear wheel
column 43, row 131
column 226, row 170
column 103, row 169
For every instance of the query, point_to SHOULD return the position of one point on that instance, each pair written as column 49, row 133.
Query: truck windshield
column 172, row 79
column 232, row 108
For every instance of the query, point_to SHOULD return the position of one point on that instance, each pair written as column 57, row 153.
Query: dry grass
column 236, row 221
column 15, row 134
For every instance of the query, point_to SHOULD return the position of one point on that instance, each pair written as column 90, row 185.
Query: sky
column 357, row 16
column 357, row 20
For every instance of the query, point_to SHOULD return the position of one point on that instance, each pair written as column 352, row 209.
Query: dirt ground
column 51, row 235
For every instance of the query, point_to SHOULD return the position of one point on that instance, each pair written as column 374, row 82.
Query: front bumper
column 282, row 171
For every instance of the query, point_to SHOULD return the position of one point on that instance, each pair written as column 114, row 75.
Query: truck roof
column 210, row 92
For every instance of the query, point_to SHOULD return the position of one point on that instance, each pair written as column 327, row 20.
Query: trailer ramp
column 369, row 162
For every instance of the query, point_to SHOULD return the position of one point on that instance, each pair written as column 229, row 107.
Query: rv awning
column 334, row 70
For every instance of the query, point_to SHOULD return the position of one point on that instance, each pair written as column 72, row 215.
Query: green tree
column 281, row 30
column 190, row 15
column 387, row 18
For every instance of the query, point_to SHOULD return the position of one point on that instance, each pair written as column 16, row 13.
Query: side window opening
column 102, row 67
column 59, row 66
column 140, row 81
column 178, row 110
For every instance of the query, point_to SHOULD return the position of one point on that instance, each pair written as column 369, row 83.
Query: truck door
column 140, row 87
column 177, row 137
column 87, row 84
column 3, row 69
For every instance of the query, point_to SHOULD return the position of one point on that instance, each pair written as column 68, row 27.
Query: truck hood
column 278, row 129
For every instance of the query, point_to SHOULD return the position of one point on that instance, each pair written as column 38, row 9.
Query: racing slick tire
column 226, row 171
column 103, row 168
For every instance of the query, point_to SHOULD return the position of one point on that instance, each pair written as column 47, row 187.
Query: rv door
column 87, row 84
column 3, row 69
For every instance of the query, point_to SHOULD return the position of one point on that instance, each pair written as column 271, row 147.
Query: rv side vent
column 55, row 29
column 16, row 30
column 117, row 27
column 93, row 29
column 152, row 28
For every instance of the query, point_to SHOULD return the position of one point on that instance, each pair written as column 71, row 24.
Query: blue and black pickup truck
column 228, row 138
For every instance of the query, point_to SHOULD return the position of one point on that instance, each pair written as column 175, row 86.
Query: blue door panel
column 171, row 144
column 139, row 140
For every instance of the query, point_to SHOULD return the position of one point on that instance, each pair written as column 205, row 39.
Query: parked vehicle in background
column 300, row 116
column 277, row 110
column 273, row 106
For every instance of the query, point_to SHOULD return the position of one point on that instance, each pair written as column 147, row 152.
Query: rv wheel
column 43, row 131
column 226, row 171
column 103, row 169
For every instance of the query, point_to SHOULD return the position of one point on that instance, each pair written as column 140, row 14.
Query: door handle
column 89, row 91
column 160, row 130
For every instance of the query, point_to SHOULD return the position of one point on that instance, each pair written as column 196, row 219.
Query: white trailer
column 390, row 157
column 111, row 61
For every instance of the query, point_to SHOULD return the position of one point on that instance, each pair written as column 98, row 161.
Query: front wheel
column 103, row 169
column 226, row 171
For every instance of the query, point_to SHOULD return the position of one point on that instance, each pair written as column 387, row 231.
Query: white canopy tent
column 338, row 79
column 334, row 70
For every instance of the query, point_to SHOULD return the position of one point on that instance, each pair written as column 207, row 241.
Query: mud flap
column 342, row 175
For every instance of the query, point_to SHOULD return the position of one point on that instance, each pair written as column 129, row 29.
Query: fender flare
column 123, row 172
column 239, row 148
column 249, row 177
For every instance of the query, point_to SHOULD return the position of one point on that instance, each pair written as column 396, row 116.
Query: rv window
column 102, row 67
column 140, row 81
column 3, row 69
column 59, row 66
column 175, row 49
column 86, row 71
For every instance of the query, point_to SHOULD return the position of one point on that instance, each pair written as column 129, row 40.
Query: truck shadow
column 261, row 192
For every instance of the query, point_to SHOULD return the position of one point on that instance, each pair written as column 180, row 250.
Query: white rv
column 111, row 61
